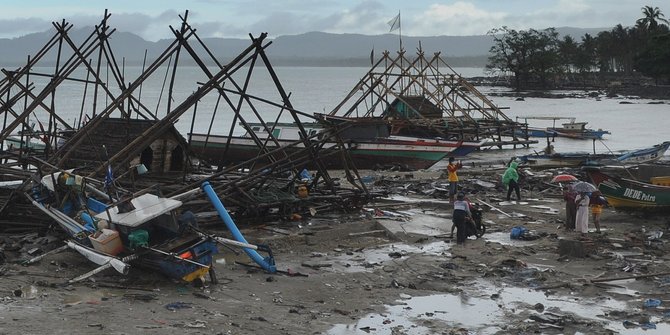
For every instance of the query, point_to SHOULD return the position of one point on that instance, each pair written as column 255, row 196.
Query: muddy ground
column 393, row 270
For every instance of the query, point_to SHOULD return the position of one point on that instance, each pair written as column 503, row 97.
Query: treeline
column 540, row 59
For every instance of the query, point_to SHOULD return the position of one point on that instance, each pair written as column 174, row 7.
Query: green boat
column 631, row 194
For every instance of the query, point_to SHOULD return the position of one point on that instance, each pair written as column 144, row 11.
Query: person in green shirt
column 511, row 179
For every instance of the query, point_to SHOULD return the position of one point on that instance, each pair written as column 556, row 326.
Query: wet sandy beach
column 388, row 269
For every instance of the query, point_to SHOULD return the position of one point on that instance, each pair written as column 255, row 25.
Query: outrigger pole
column 267, row 263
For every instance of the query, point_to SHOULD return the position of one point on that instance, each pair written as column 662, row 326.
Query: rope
column 623, row 163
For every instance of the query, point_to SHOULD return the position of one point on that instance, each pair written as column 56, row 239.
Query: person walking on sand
column 511, row 179
column 460, row 216
column 582, row 218
column 452, row 177
column 569, row 196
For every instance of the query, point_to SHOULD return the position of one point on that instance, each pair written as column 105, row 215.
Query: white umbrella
column 583, row 186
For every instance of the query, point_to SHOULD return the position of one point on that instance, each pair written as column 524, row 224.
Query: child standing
column 596, row 210
column 452, row 177
column 597, row 204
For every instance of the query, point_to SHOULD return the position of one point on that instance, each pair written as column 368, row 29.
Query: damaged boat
column 630, row 194
column 576, row 159
column 368, row 142
column 117, row 229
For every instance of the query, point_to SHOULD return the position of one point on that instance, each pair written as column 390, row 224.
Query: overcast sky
column 237, row 18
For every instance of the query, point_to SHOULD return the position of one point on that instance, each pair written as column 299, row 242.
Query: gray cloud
column 219, row 29
column 237, row 18
column 146, row 26
column 366, row 17
column 22, row 26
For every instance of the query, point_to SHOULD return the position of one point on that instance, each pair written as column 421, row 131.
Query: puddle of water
column 86, row 297
column 419, row 223
column 359, row 262
column 587, row 308
column 29, row 292
column 504, row 239
column 476, row 311
column 470, row 312
column 513, row 202
column 415, row 200
column 623, row 291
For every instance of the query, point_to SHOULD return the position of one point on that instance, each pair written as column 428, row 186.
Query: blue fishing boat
column 645, row 155
column 117, row 229
column 575, row 159
column 570, row 129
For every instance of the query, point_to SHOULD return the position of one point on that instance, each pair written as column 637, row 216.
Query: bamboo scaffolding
column 119, row 101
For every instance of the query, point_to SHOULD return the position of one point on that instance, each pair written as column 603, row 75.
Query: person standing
column 597, row 203
column 452, row 177
column 596, row 210
column 570, row 207
column 511, row 179
column 460, row 216
column 582, row 218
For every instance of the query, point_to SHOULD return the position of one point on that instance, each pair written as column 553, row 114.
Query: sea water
column 634, row 123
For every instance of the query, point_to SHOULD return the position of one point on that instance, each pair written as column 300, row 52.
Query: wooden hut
column 167, row 153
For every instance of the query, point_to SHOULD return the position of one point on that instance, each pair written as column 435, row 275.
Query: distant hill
column 309, row 49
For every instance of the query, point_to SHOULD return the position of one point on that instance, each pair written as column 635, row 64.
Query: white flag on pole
column 395, row 23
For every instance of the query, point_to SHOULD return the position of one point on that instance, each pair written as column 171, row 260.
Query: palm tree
column 651, row 19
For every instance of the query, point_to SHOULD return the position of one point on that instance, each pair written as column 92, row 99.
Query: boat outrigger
column 140, row 229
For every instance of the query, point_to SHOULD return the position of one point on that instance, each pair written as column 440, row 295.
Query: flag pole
column 400, row 30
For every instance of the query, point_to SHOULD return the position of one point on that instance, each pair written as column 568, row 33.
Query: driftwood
column 549, row 287
column 38, row 258
column 601, row 280
column 631, row 277
column 494, row 208
column 371, row 232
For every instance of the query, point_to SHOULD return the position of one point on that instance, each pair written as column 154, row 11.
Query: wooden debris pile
column 116, row 130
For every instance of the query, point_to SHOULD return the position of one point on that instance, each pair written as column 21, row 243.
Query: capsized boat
column 141, row 229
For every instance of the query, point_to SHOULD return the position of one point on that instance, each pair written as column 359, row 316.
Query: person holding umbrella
column 582, row 216
column 570, row 207
column 569, row 196
column 582, row 202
